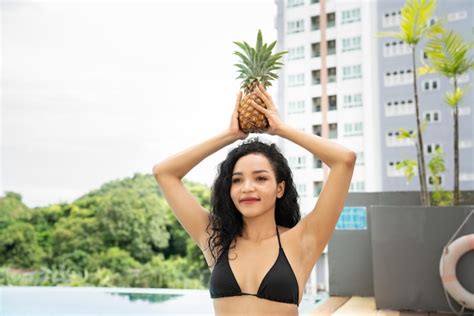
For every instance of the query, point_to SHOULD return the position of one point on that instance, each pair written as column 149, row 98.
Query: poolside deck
column 357, row 305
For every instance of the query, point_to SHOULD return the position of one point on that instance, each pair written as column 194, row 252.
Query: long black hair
column 225, row 221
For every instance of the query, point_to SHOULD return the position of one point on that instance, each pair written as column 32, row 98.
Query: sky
column 94, row 91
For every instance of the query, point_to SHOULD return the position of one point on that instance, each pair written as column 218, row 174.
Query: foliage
column 414, row 24
column 414, row 27
column 12, row 208
column 122, row 234
column 439, row 197
column 449, row 56
column 19, row 247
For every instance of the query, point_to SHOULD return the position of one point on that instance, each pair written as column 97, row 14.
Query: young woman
column 259, row 251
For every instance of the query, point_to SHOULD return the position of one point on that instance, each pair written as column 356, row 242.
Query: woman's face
column 254, row 188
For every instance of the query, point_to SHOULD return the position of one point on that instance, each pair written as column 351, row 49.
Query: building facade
column 344, row 82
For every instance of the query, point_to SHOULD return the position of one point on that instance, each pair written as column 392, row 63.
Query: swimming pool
column 84, row 301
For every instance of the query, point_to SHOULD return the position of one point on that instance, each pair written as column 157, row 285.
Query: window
column 432, row 116
column 295, row 53
column 301, row 189
column 430, row 85
column 331, row 19
column 317, row 187
column 395, row 48
column 438, row 180
column 315, row 23
column 351, row 43
column 332, row 102
column 431, row 148
column 360, row 158
column 352, row 100
column 353, row 218
column 353, row 129
column 456, row 16
column 391, row 19
column 317, row 104
column 351, row 72
column 331, row 74
column 331, row 47
column 351, row 16
column 295, row 3
column 398, row 77
column 296, row 80
column 296, row 107
column 431, row 21
column 461, row 79
column 297, row 162
column 315, row 50
column 316, row 75
column 399, row 107
column 424, row 56
column 333, row 130
column 295, row 26
column 317, row 163
column 392, row 140
column 317, row 130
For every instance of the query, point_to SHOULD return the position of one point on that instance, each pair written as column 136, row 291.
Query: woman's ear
column 280, row 189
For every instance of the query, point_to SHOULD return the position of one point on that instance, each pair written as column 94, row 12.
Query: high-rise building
column 344, row 82
column 397, row 103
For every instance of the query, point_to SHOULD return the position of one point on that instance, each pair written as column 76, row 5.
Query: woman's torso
column 250, row 263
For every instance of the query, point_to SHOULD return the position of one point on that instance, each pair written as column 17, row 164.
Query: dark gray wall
column 350, row 251
column 407, row 243
column 401, row 243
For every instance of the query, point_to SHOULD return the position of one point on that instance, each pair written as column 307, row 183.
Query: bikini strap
column 278, row 235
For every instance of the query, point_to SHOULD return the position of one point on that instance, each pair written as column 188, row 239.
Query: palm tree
column 448, row 55
column 414, row 26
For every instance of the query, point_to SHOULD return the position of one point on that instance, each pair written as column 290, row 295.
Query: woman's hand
column 271, row 112
column 234, row 127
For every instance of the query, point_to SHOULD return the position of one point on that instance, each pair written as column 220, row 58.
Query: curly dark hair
column 225, row 221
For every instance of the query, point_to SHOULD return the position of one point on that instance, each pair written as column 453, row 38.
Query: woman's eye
column 261, row 178
column 235, row 180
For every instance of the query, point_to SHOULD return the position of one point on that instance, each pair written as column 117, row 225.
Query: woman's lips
column 249, row 200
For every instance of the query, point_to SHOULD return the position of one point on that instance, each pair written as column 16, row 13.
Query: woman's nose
column 248, row 186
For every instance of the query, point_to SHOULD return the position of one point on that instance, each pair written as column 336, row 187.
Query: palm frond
column 454, row 98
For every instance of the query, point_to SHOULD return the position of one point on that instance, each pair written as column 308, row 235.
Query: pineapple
column 257, row 65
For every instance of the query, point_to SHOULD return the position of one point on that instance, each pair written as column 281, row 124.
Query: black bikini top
column 279, row 284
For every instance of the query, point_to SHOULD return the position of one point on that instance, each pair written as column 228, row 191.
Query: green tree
column 19, row 247
column 449, row 55
column 115, row 259
column 415, row 26
column 11, row 208
column 73, row 237
column 134, row 222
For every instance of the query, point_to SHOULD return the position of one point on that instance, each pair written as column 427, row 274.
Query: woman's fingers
column 265, row 96
column 239, row 98
column 259, row 107
column 265, row 92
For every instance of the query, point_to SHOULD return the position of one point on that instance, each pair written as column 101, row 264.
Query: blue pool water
column 75, row 301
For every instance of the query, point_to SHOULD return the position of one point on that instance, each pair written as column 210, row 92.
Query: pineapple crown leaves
column 257, row 64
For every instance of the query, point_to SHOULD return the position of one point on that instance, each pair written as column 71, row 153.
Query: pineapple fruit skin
column 257, row 65
column 250, row 119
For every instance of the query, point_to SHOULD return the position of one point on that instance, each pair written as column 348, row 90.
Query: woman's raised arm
column 316, row 228
column 169, row 173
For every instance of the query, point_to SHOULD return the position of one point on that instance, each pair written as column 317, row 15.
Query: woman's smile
column 249, row 200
